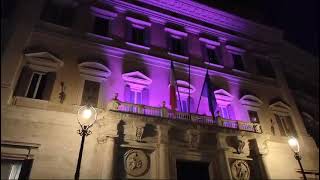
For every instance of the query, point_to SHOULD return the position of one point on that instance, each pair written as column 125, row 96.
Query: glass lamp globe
column 294, row 144
column 87, row 115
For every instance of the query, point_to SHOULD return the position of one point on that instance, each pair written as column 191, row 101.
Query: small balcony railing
column 116, row 105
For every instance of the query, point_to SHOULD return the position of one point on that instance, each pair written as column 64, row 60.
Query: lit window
column 101, row 26
column 253, row 115
column 184, row 106
column 226, row 111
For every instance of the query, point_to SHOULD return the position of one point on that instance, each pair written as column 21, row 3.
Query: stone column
column 163, row 150
column 107, row 157
column 222, row 158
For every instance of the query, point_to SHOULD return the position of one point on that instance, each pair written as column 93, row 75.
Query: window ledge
column 240, row 71
column 29, row 102
column 214, row 65
column 178, row 56
column 138, row 46
column 92, row 35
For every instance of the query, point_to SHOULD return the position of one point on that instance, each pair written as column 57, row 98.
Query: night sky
column 298, row 19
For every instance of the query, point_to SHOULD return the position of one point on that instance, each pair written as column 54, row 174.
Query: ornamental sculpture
column 136, row 162
column 240, row 170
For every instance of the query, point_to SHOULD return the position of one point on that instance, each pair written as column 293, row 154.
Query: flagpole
column 201, row 91
column 175, row 81
column 189, row 98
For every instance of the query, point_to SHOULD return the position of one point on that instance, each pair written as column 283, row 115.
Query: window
column 58, row 14
column 176, row 42
column 136, row 89
column 238, row 63
column 285, row 125
column 226, row 111
column 15, row 169
column 209, row 53
column 265, row 68
column 184, row 106
column 138, row 32
column 90, row 93
column 212, row 57
column 101, row 26
column 253, row 115
column 35, row 84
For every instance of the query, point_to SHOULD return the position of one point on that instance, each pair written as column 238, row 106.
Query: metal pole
column 83, row 133
column 298, row 158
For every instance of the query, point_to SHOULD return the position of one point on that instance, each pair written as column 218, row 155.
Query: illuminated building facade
column 116, row 55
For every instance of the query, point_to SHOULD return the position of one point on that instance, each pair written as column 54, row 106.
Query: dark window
column 58, row 14
column 15, row 169
column 37, row 85
column 212, row 57
column 90, row 93
column 265, row 68
column 176, row 46
column 138, row 36
column 101, row 26
column 286, row 126
column 253, row 115
column 238, row 63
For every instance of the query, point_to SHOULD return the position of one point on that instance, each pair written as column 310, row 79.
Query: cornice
column 213, row 16
column 164, row 18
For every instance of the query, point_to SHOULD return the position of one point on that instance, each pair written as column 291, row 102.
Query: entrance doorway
column 190, row 170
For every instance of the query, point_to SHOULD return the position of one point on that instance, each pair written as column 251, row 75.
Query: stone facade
column 144, row 139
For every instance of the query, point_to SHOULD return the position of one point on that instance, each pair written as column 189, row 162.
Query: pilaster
column 163, row 150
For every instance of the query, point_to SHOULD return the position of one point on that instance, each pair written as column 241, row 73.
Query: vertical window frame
column 41, row 74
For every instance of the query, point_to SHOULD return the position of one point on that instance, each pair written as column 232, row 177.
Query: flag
column 173, row 89
column 207, row 91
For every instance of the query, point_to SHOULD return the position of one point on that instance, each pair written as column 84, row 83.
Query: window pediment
column 183, row 87
column 223, row 97
column 138, row 23
column 280, row 107
column 43, row 61
column 94, row 71
column 235, row 50
column 250, row 100
column 136, row 80
column 176, row 33
column 308, row 116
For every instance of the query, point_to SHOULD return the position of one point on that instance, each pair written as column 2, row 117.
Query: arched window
column 224, row 100
column 183, row 105
column 282, row 113
column 252, row 105
column 137, row 88
column 93, row 74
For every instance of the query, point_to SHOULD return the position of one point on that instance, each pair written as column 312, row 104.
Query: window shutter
column 129, row 32
column 282, row 133
column 147, row 36
column 192, row 108
column 49, row 83
column 127, row 93
column 23, row 82
column 231, row 112
column 169, row 42
column 204, row 53
column 145, row 96
column 292, row 130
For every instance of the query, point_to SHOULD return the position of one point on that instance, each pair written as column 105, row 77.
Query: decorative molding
column 94, row 71
column 158, row 20
column 193, row 138
column 183, row 87
column 138, row 21
column 223, row 97
column 136, row 162
column 209, row 42
column 138, row 46
column 175, row 32
column 307, row 116
column 103, row 13
column 250, row 100
column 240, row 170
column 178, row 55
column 193, row 30
column 43, row 61
column 279, row 106
column 234, row 49
column 136, row 80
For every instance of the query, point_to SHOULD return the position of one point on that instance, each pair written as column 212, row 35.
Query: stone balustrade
column 116, row 105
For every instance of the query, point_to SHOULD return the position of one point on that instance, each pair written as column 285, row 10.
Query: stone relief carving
column 136, row 162
column 139, row 133
column 240, row 146
column 193, row 139
column 240, row 170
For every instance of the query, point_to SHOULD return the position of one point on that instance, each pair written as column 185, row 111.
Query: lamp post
column 87, row 115
column 294, row 145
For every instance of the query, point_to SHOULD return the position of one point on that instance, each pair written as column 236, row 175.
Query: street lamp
column 294, row 145
column 87, row 115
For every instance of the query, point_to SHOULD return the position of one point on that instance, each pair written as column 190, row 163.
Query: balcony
column 118, row 106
